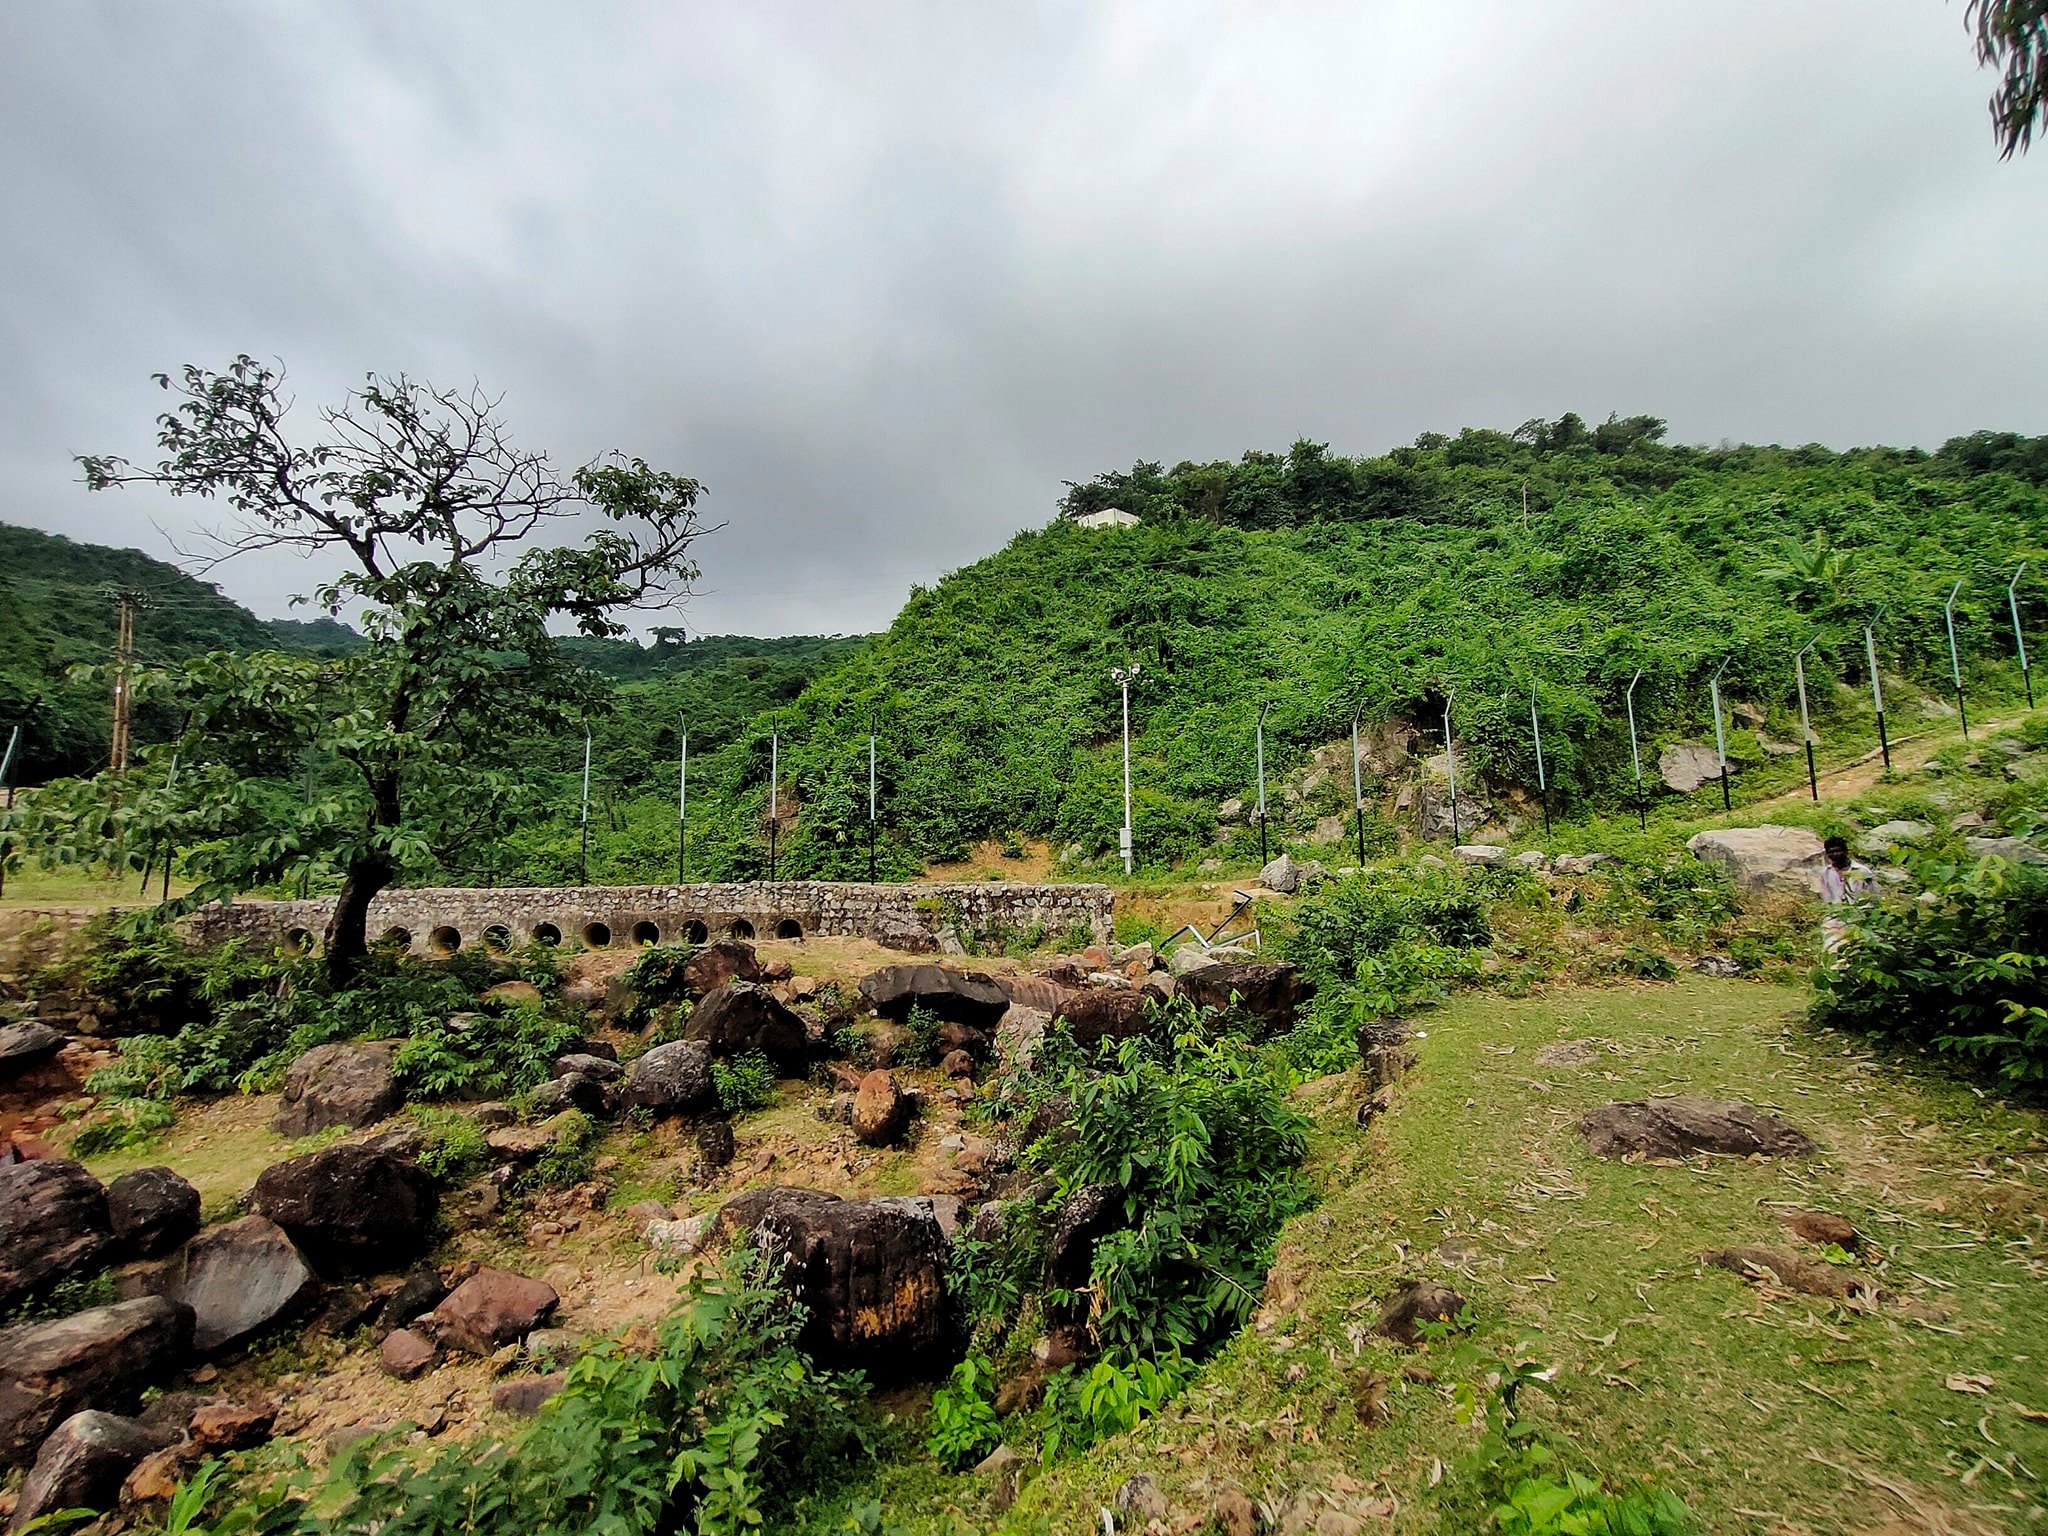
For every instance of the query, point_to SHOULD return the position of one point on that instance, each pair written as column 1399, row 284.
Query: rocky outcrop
column 672, row 1079
column 25, row 1046
column 956, row 997
column 152, row 1211
column 1273, row 993
column 1105, row 1013
column 83, row 1464
column 349, row 1083
column 491, row 1308
column 1759, row 859
column 871, row 1275
column 351, row 1209
column 892, row 930
column 741, row 1017
column 102, row 1358
column 720, row 963
column 1686, row 766
column 1282, row 875
column 53, row 1223
column 239, row 1279
column 405, row 1354
column 1680, row 1127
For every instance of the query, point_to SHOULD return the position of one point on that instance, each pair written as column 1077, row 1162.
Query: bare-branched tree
column 443, row 525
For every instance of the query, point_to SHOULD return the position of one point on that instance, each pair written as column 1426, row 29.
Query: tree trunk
column 348, row 937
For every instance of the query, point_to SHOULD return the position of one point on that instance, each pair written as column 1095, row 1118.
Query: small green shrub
column 61, row 1298
column 656, row 980
column 744, row 1083
column 455, row 1147
column 964, row 1426
column 1647, row 964
column 569, row 1159
column 1961, row 971
column 1084, row 1406
column 122, row 1124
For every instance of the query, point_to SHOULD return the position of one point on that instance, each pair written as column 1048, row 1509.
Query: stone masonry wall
column 440, row 921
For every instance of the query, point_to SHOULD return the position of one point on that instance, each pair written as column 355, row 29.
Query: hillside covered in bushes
column 1559, row 560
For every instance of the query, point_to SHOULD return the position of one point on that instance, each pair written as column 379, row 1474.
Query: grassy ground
column 1768, row 1412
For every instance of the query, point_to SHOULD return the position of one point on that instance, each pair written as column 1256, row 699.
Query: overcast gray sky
column 882, row 275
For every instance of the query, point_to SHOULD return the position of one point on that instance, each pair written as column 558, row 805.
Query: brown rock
column 880, row 1109
column 1417, row 1302
column 1679, row 1127
column 83, row 1463
column 957, row 1064
column 526, row 1395
column 959, row 997
column 405, row 1354
column 1235, row 1514
column 514, row 994
column 351, row 1208
column 100, row 1358
column 239, row 1278
column 228, row 1426
column 1821, row 1228
column 718, row 963
column 155, row 1478
column 1270, row 993
column 742, row 1016
column 53, row 1224
column 349, row 1083
column 492, row 1308
column 152, row 1210
column 1103, row 1013
column 716, row 1143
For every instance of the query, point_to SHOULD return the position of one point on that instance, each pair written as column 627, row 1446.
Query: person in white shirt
column 1842, row 880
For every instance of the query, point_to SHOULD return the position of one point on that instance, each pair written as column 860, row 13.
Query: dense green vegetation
column 1560, row 559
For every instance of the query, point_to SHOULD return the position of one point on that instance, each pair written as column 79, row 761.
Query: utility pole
column 1125, row 676
column 586, row 808
column 1720, row 733
column 1884, row 742
column 2019, row 636
column 1955, row 659
column 683, row 804
column 1358, row 784
column 7, row 779
column 126, row 604
column 1806, row 719
column 1263, row 707
column 872, row 802
column 1542, row 782
column 1635, row 753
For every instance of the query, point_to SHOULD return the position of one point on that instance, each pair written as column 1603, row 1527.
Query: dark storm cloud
column 883, row 276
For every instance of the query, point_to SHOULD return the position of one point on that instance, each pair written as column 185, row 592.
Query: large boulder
column 1680, row 1127
column 26, row 1045
column 894, row 930
column 672, row 1079
column 742, row 1016
column 1879, row 841
column 239, row 1278
column 493, row 1307
column 349, row 1083
column 955, row 997
column 1105, row 1013
column 1282, row 875
column 99, row 1358
column 1271, row 992
column 84, row 1462
column 1759, row 859
column 720, row 963
column 1687, row 765
column 871, row 1275
column 2014, row 850
column 351, row 1209
column 53, row 1223
column 880, row 1109
column 152, row 1210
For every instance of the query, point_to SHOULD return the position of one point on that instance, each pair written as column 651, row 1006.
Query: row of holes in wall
column 497, row 938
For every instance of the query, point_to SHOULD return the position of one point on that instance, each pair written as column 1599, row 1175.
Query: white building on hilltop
column 1109, row 517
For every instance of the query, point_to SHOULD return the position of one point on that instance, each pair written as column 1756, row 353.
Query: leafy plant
column 454, row 1146
column 1086, row 1405
column 123, row 1124
column 744, row 1082
column 964, row 1425
column 570, row 1156
column 61, row 1298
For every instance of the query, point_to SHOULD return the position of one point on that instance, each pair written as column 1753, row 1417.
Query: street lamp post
column 2019, row 638
column 871, row 801
column 1955, row 658
column 683, row 807
column 1884, row 742
column 1635, row 753
column 1805, row 718
column 774, row 795
column 1125, row 676
column 1358, row 784
column 1720, row 733
column 1263, row 707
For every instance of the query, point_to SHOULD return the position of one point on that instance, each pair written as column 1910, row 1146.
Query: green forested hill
column 1560, row 558
column 57, row 611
